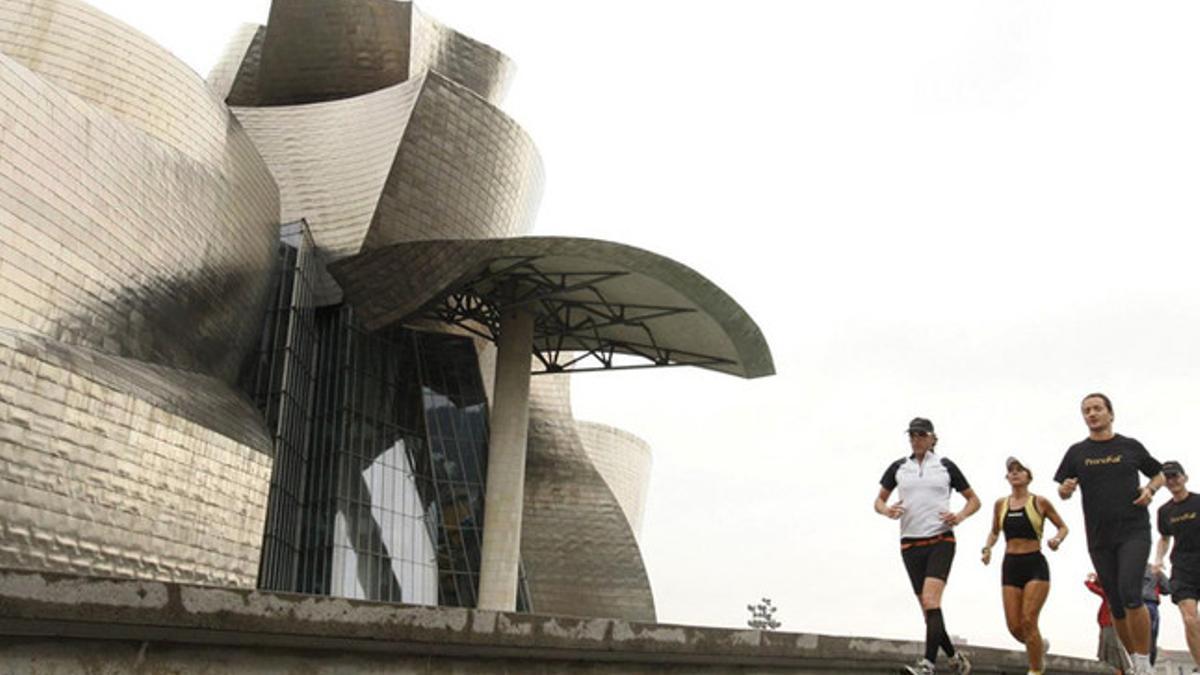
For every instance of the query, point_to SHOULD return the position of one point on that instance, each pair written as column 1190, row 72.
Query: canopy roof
column 591, row 299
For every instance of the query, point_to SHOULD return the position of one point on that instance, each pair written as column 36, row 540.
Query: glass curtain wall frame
column 381, row 451
column 280, row 378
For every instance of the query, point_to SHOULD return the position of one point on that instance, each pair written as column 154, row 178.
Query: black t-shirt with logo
column 1181, row 520
column 1108, row 478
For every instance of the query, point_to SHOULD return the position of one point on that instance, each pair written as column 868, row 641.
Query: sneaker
column 960, row 663
column 923, row 667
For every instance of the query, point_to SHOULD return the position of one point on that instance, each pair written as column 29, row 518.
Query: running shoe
column 960, row 663
column 923, row 667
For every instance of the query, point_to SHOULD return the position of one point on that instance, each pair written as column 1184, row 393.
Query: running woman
column 1179, row 519
column 1105, row 466
column 925, row 480
column 1025, row 574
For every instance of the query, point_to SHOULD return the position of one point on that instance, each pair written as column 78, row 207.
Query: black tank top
column 1017, row 525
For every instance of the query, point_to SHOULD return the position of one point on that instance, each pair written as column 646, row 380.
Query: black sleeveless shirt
column 1017, row 525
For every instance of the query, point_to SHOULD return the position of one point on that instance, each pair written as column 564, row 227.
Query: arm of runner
column 994, row 535
column 970, row 507
column 1160, row 553
column 1067, row 488
column 1146, row 494
column 881, row 506
column 1059, row 524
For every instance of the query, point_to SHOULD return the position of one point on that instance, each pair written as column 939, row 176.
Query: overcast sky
column 971, row 211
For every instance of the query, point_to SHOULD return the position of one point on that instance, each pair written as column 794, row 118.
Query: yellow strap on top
column 1031, row 512
column 1035, row 517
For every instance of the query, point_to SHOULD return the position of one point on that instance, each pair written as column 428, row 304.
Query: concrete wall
column 58, row 624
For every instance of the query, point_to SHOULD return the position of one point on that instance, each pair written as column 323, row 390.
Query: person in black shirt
column 1105, row 466
column 1179, row 519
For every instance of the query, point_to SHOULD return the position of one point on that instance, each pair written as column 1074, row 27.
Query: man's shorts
column 1185, row 584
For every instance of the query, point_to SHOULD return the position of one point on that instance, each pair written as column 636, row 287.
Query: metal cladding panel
column 698, row 323
column 101, row 481
column 118, row 69
column 468, row 62
column 624, row 461
column 464, row 170
column 116, row 241
column 579, row 553
column 242, row 52
column 324, row 50
column 332, row 159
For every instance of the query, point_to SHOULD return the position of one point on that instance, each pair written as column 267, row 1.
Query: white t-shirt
column 925, row 492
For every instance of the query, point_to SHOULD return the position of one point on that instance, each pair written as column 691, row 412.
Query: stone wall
column 62, row 624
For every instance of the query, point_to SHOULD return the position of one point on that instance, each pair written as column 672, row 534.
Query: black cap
column 1172, row 468
column 920, row 424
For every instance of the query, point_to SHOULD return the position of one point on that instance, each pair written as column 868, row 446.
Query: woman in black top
column 1025, row 574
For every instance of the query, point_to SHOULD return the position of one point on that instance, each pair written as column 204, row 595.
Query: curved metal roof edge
column 754, row 354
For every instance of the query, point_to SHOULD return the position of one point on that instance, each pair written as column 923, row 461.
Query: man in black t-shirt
column 1105, row 465
column 1179, row 519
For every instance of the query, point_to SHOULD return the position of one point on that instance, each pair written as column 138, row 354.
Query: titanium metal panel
column 691, row 319
column 238, row 62
column 464, row 170
column 116, row 241
column 421, row 159
column 580, row 556
column 324, row 50
column 624, row 461
column 332, row 159
column 103, row 476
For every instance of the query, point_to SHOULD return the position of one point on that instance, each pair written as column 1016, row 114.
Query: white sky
column 972, row 211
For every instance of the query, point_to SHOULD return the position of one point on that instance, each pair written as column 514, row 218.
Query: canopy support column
column 504, row 501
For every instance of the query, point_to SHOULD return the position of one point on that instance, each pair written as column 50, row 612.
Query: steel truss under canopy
column 595, row 305
column 572, row 317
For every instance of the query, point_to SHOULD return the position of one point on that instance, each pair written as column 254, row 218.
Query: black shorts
column 1019, row 569
column 1185, row 584
column 926, row 557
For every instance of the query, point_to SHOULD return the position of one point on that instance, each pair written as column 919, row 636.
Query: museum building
column 286, row 327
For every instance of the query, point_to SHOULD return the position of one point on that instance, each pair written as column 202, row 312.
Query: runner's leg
column 1012, row 611
column 1031, row 607
column 1191, row 627
column 940, row 560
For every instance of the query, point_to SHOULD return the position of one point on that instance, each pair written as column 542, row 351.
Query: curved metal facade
column 424, row 158
column 580, row 555
column 320, row 50
column 139, row 227
column 332, row 159
column 624, row 461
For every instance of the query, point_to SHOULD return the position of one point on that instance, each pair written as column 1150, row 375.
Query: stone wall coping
column 40, row 604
